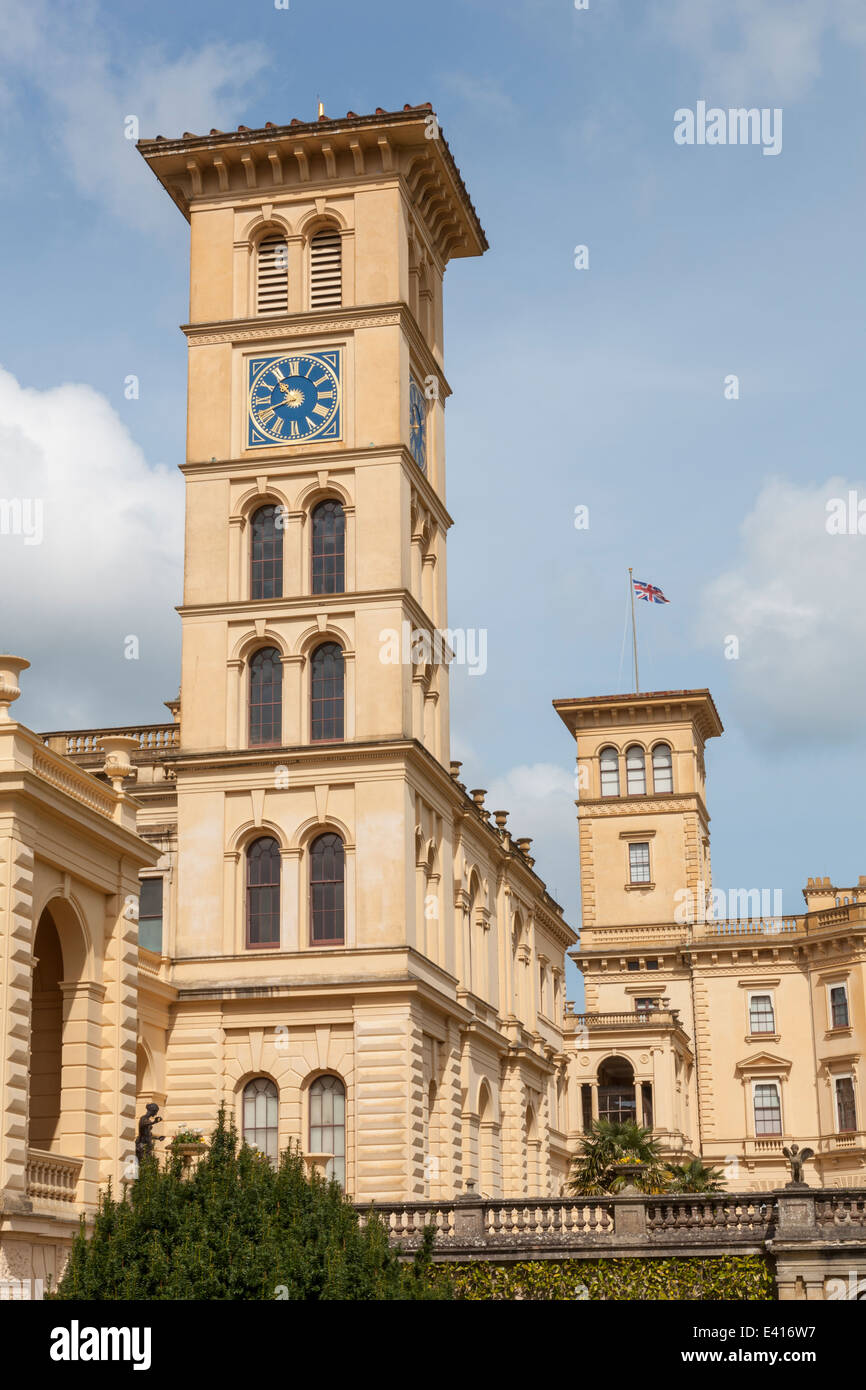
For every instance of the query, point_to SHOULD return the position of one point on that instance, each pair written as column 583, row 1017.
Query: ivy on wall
column 725, row 1277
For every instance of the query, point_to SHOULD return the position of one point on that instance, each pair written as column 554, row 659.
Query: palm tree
column 694, row 1177
column 610, row 1144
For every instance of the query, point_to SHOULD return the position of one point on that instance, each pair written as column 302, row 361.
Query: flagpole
column 633, row 631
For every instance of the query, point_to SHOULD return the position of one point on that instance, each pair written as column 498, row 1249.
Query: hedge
column 729, row 1277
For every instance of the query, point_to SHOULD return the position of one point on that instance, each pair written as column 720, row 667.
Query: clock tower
column 340, row 977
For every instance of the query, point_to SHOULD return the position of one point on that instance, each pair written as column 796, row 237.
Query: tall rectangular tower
column 363, row 963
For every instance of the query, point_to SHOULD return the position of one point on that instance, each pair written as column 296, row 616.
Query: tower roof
column 610, row 711
column 270, row 160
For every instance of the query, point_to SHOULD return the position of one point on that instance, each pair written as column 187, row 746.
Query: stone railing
column 633, row 1018
column 52, row 1176
column 749, row 926
column 840, row 1211
column 152, row 738
column 563, row 1227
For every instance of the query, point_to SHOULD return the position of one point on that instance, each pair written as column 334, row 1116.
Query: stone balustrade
column 51, row 1176
column 86, row 743
column 476, row 1228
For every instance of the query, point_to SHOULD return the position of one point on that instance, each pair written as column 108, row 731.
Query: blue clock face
column 418, row 425
column 293, row 399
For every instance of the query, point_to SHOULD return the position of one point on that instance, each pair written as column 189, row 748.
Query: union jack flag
column 649, row 592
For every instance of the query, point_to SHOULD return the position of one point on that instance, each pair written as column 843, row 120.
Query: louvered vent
column 273, row 275
column 326, row 270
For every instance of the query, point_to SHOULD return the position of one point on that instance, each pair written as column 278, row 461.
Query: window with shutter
column 272, row 290
column 326, row 270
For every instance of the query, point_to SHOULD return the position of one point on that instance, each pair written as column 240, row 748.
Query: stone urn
column 629, row 1171
column 118, row 749
column 318, row 1163
column 10, row 669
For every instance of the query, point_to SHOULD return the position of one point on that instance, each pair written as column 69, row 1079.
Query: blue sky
column 602, row 387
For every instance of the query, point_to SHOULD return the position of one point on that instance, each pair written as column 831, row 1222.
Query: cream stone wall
column 69, row 874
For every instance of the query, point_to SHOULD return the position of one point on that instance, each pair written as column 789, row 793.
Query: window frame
column 844, row 1076
column 667, row 767
column 266, row 1128
column 633, row 847
column 276, row 561
column 832, row 1025
column 152, row 917
column 629, row 772
column 337, row 1160
column 261, row 705
column 762, row 994
column 339, row 908
column 336, row 700
column 338, row 556
column 609, row 748
column 776, row 1083
column 249, row 888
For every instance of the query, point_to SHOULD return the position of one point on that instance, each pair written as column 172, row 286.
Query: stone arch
column 249, row 643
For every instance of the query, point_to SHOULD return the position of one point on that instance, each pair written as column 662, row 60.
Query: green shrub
column 238, row 1228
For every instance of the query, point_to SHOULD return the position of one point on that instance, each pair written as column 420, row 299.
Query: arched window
column 261, row 1116
column 326, row 269
column 327, row 891
column 266, row 553
column 266, row 697
column 263, row 892
column 663, row 771
column 272, row 275
column 328, row 1124
column 329, row 547
column 635, row 771
column 326, row 693
column 609, row 772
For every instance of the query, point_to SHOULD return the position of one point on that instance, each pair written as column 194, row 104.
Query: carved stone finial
column 10, row 669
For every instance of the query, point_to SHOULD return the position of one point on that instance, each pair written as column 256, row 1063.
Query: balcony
column 51, row 1177
column 628, row 1019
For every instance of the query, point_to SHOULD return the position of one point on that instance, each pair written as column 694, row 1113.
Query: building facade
column 730, row 1029
column 70, row 860
column 338, row 941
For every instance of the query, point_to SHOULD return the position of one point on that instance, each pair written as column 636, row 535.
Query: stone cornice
column 245, row 166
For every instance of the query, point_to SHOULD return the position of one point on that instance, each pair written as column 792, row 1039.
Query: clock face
column 293, row 399
column 418, row 425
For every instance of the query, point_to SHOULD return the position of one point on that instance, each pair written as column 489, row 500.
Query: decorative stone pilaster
column 16, row 974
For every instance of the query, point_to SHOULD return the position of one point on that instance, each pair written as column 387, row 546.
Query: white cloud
column 759, row 51
column 109, row 565
column 540, row 798
column 89, row 91
column 794, row 600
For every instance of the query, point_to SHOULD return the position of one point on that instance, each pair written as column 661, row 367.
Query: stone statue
column 797, row 1158
column 146, row 1138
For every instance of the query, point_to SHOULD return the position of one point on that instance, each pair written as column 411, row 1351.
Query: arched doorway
column 46, row 1038
column 616, row 1091
column 65, row 1052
